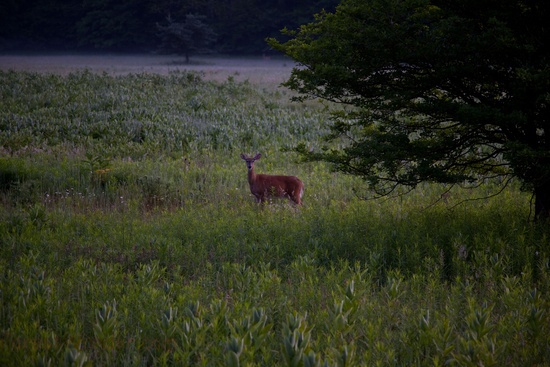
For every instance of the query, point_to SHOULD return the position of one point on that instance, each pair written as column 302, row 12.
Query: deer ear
column 257, row 156
column 243, row 156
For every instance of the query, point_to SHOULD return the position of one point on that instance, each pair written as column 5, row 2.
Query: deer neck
column 251, row 176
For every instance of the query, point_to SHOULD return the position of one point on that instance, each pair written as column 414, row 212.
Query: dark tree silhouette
column 192, row 36
column 443, row 91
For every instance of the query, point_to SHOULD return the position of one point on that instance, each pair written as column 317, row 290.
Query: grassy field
column 128, row 235
column 257, row 70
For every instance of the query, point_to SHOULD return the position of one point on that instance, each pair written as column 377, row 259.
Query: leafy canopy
column 442, row 91
column 191, row 36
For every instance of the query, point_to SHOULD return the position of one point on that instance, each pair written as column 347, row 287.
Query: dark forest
column 241, row 26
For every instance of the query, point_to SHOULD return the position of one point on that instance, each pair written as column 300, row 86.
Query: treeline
column 131, row 25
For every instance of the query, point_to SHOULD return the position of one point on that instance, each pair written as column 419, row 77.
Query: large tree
column 440, row 90
column 189, row 37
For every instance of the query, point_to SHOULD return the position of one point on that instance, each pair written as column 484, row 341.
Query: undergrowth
column 129, row 237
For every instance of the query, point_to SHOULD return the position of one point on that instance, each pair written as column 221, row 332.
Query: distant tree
column 192, row 36
column 441, row 91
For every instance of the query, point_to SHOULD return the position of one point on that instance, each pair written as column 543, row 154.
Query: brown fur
column 266, row 186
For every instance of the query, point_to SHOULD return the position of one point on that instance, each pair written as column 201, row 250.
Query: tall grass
column 129, row 237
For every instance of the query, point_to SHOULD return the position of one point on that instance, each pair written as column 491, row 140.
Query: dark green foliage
column 440, row 92
column 145, row 114
column 130, row 25
column 192, row 36
column 112, row 25
column 11, row 173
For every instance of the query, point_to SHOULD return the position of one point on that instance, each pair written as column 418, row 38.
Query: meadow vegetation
column 128, row 236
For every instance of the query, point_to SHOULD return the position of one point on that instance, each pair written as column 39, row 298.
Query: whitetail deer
column 265, row 186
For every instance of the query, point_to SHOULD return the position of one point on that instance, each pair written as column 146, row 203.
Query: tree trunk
column 542, row 202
